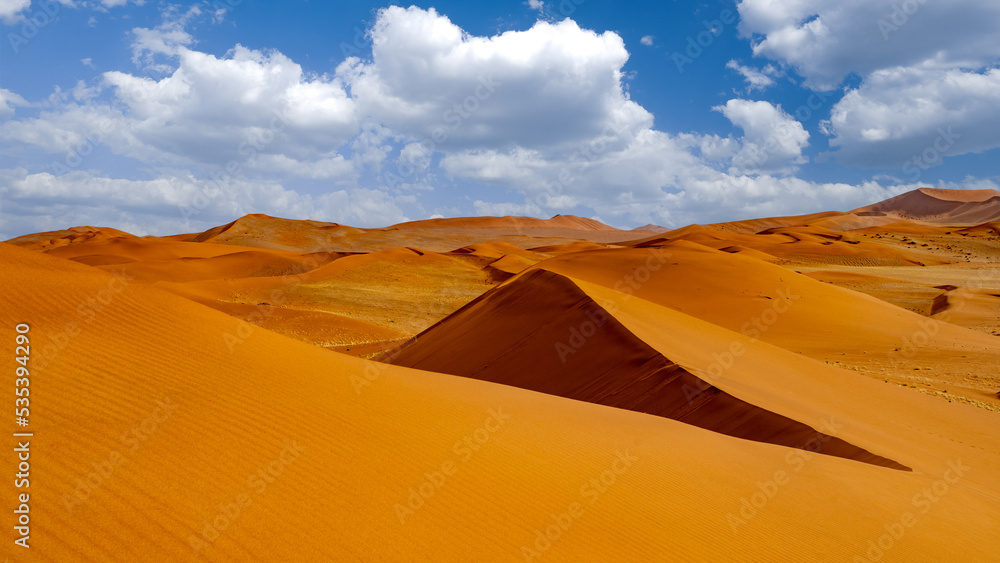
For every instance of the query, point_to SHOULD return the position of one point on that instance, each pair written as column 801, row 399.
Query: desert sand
column 821, row 387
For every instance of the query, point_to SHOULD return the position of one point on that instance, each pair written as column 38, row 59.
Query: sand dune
column 977, row 308
column 542, row 332
column 363, row 302
column 666, row 363
column 343, row 464
column 438, row 235
column 76, row 235
column 781, row 307
column 940, row 206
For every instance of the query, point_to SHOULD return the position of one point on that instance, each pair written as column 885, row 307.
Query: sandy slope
column 543, row 332
column 344, row 460
column 438, row 235
column 792, row 311
column 940, row 206
column 75, row 235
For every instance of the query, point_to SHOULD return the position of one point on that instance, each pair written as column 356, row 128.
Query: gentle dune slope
column 972, row 307
column 272, row 232
column 67, row 237
column 790, row 310
column 404, row 289
column 542, row 332
column 135, row 249
column 512, row 323
column 802, row 244
column 341, row 462
column 439, row 235
column 570, row 222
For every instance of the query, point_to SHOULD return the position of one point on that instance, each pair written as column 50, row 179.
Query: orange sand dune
column 940, row 206
column 905, row 226
column 402, row 291
column 650, row 227
column 496, row 250
column 752, row 226
column 762, row 375
column 916, row 297
column 977, row 308
column 792, row 311
column 438, row 235
column 241, row 264
column 568, row 247
column 509, row 223
column 750, row 252
column 542, row 332
column 800, row 243
column 987, row 229
column 76, row 235
column 819, row 244
column 272, row 232
column 135, row 249
column 276, row 450
column 850, row 222
column 499, row 259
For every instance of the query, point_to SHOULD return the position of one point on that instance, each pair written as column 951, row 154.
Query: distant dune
column 939, row 206
column 76, row 235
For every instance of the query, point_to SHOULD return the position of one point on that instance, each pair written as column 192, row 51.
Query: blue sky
column 159, row 118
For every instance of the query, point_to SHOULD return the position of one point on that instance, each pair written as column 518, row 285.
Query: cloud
column 536, row 5
column 826, row 41
column 647, row 40
column 8, row 101
column 928, row 87
column 902, row 113
column 253, row 110
column 772, row 140
column 167, row 39
column 756, row 79
column 429, row 80
column 10, row 10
